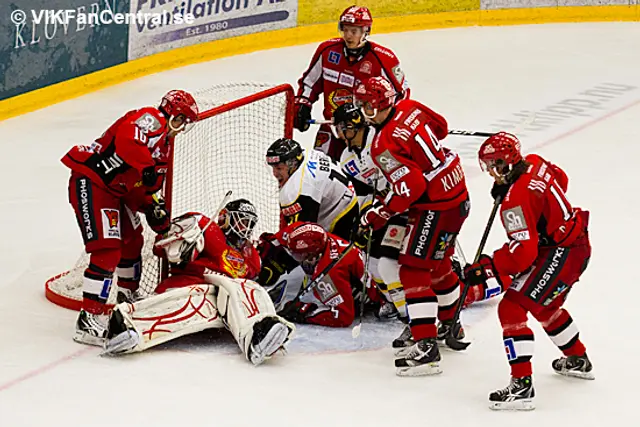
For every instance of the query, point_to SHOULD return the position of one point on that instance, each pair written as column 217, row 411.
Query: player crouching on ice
column 331, row 302
column 547, row 252
column 210, row 286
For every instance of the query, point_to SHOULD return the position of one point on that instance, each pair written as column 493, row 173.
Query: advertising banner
column 43, row 42
column 195, row 21
column 519, row 4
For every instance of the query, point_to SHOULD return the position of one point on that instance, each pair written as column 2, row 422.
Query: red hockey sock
column 422, row 303
column 518, row 338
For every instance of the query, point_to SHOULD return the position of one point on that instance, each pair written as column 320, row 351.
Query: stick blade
column 355, row 332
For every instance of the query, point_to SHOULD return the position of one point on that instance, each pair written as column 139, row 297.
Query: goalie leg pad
column 250, row 316
column 164, row 317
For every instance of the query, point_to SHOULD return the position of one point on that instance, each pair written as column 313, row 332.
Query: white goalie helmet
column 237, row 220
column 183, row 237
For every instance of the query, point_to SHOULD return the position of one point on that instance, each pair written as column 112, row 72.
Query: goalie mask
column 237, row 220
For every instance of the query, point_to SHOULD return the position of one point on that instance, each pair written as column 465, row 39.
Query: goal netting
column 224, row 151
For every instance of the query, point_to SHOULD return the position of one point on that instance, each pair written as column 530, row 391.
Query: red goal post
column 224, row 151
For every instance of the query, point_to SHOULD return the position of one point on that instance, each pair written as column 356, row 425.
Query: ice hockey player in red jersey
column 111, row 180
column 331, row 303
column 547, row 252
column 428, row 183
column 225, row 247
column 336, row 69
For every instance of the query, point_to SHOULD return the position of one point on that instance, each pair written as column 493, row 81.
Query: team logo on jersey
column 352, row 167
column 334, row 57
column 514, row 219
column 347, row 80
column 110, row 223
column 148, row 123
column 234, row 263
column 398, row 73
column 387, row 162
column 365, row 68
column 339, row 97
column 326, row 290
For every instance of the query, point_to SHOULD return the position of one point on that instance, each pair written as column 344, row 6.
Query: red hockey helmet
column 307, row 240
column 177, row 102
column 499, row 153
column 358, row 16
column 374, row 94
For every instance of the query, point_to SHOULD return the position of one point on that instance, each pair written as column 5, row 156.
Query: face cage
column 497, row 167
column 242, row 223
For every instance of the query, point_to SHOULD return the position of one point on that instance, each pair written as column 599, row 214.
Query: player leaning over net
column 429, row 184
column 547, row 252
column 112, row 180
column 337, row 67
column 312, row 188
column 210, row 286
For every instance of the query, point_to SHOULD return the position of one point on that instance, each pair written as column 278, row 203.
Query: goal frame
column 285, row 89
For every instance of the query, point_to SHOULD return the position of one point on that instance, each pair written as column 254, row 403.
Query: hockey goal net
column 224, row 151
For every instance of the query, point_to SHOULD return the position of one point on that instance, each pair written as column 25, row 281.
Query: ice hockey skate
column 574, row 366
column 402, row 345
column 91, row 328
column 517, row 396
column 269, row 335
column 423, row 358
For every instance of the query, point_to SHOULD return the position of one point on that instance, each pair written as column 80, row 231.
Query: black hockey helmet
column 285, row 150
column 348, row 116
column 237, row 220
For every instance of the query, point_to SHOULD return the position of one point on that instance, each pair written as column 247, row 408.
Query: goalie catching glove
column 184, row 240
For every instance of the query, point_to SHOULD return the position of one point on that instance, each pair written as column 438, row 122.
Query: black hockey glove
column 149, row 176
column 478, row 273
column 499, row 190
column 303, row 114
column 296, row 311
column 157, row 215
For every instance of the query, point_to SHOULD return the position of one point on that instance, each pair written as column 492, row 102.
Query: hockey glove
column 375, row 216
column 480, row 272
column 149, row 176
column 157, row 215
column 297, row 312
column 302, row 114
column 499, row 190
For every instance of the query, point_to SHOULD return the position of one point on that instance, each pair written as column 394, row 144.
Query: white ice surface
column 475, row 77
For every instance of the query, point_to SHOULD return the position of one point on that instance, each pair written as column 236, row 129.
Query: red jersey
column 536, row 213
column 332, row 73
column 116, row 160
column 219, row 257
column 423, row 174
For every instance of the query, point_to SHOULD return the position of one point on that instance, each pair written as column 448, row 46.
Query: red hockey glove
column 375, row 216
column 480, row 272
column 302, row 114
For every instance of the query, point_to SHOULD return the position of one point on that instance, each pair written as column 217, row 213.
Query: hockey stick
column 451, row 341
column 355, row 332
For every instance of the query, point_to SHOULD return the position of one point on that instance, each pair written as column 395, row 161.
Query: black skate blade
column 455, row 344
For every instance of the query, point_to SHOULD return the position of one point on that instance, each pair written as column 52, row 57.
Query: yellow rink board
column 383, row 23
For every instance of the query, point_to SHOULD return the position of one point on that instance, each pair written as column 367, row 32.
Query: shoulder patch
column 398, row 74
column 514, row 219
column 148, row 123
column 387, row 162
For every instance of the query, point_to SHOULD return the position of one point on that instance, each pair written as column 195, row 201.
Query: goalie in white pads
column 210, row 287
column 312, row 188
